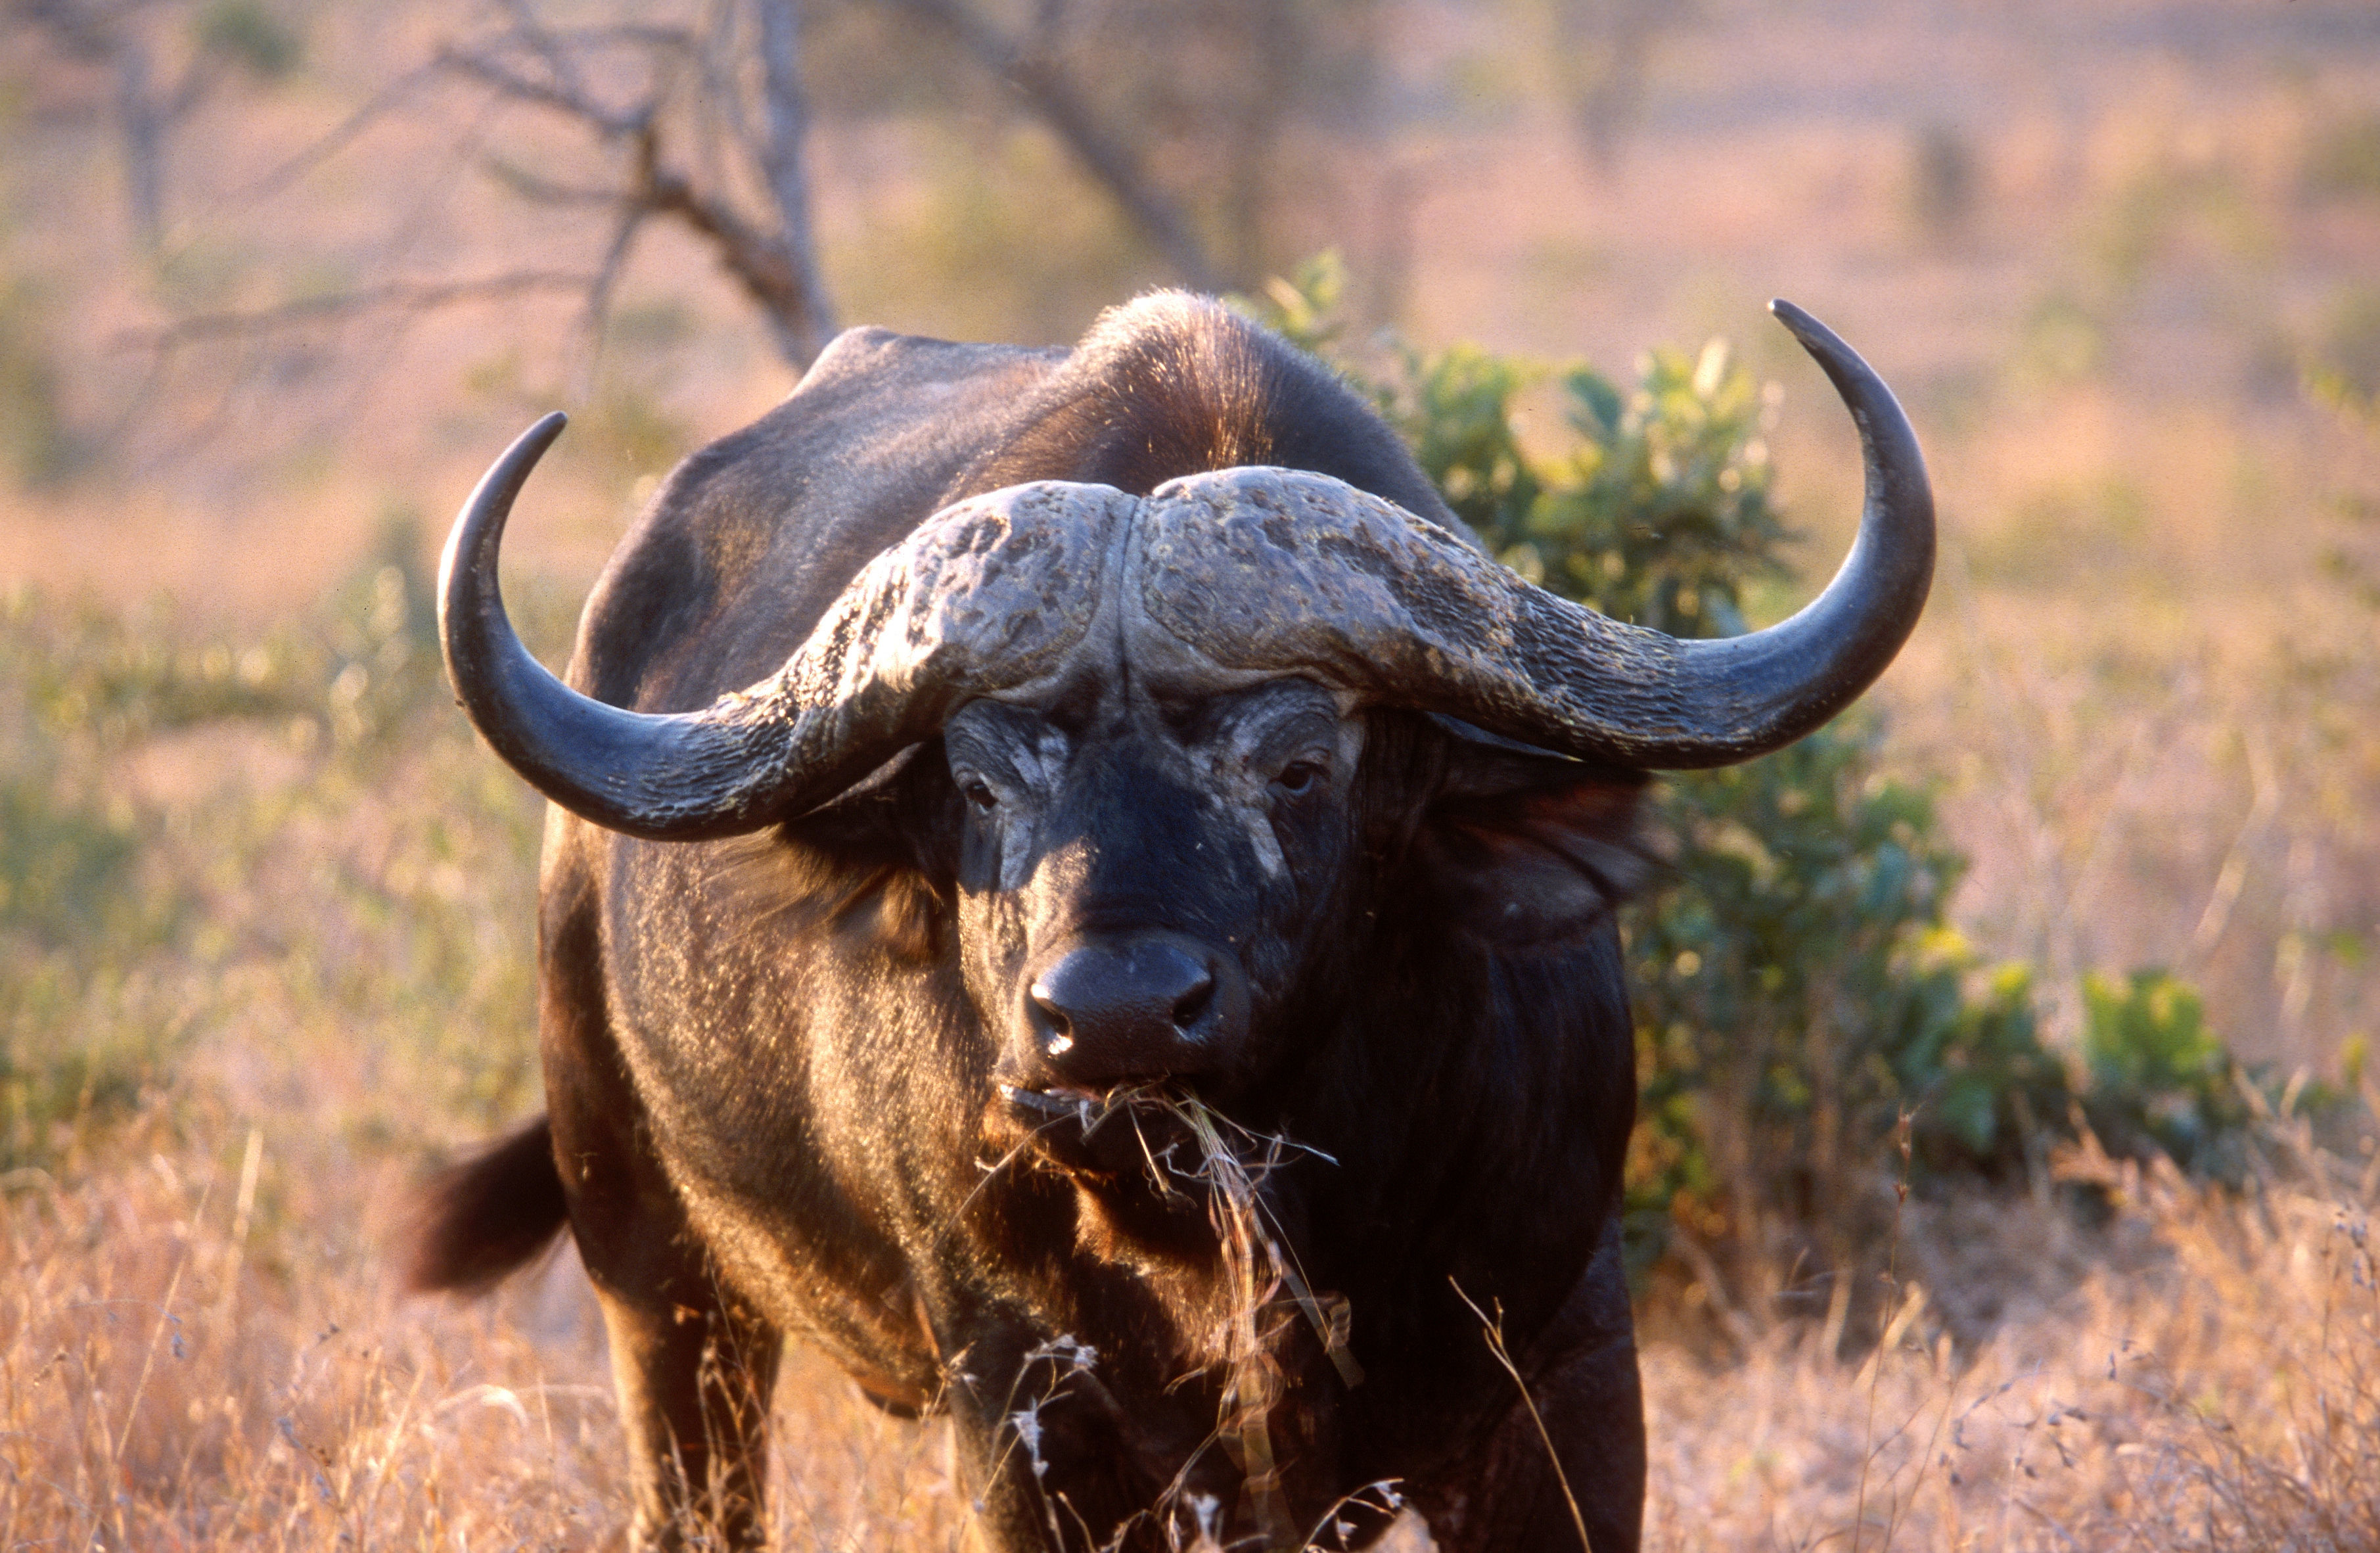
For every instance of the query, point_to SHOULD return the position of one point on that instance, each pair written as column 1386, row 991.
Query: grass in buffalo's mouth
column 1259, row 1282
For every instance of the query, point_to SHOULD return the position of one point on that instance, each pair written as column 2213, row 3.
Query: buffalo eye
column 1299, row 775
column 978, row 792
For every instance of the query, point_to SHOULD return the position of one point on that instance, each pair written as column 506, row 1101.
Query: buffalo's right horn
column 990, row 594
column 1245, row 572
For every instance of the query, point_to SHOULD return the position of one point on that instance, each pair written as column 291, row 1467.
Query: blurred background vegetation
column 2098, row 867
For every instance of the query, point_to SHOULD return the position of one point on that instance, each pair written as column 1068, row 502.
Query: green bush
column 1799, row 978
column 2159, row 1077
column 250, row 35
column 1654, row 511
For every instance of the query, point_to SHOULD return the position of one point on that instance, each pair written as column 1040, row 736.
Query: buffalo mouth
column 1156, row 1171
column 1132, row 1139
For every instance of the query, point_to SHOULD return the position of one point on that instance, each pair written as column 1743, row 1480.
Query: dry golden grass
column 171, row 1380
column 2200, row 1373
column 183, row 1366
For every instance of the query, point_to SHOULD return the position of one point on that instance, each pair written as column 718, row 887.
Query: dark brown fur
column 1174, row 385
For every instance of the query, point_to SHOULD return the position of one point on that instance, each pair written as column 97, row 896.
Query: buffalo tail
column 477, row 1222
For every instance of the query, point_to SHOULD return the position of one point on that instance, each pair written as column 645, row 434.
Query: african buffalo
column 1077, row 889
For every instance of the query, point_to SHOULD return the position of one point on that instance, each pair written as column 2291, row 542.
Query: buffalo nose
column 1143, row 1007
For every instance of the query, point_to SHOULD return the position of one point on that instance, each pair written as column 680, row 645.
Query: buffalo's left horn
column 988, row 595
column 1257, row 571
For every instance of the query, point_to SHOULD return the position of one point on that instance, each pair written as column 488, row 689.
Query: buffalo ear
column 1525, row 848
column 866, row 864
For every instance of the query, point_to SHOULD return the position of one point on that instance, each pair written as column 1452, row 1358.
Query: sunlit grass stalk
column 1901, row 1139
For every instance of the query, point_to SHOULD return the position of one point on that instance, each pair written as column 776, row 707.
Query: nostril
column 1057, row 1030
column 1192, row 1004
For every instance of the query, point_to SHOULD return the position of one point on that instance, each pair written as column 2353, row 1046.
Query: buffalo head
column 1154, row 713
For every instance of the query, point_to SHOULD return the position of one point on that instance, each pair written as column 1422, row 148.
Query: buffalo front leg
column 694, row 1381
column 1045, row 1450
column 694, row 1370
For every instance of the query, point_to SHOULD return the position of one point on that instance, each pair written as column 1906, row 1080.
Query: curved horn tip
column 502, row 482
column 538, row 438
column 533, row 443
column 1815, row 337
column 467, row 581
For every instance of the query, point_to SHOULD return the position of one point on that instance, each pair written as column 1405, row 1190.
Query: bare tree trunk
column 1108, row 160
column 141, row 120
column 1608, row 47
column 103, row 36
column 807, row 323
column 1275, row 48
column 767, row 249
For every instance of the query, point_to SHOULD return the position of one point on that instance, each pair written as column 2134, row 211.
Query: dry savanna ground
column 205, row 1355
column 258, row 966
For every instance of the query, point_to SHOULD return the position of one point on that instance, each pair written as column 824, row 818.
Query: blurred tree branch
column 698, row 119
column 765, row 242
column 717, row 145
column 1029, row 64
column 399, row 296
column 695, row 139
column 150, row 104
column 1604, row 49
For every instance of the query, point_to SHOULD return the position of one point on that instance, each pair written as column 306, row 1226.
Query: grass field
column 265, row 929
